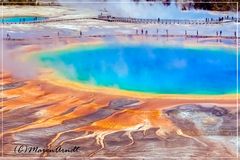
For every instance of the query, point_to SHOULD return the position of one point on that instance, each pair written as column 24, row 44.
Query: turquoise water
column 147, row 68
column 21, row 19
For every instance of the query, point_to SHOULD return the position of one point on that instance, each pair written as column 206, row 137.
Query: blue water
column 21, row 19
column 146, row 68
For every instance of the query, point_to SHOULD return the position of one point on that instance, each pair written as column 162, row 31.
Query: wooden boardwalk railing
column 132, row 35
column 165, row 21
column 133, row 20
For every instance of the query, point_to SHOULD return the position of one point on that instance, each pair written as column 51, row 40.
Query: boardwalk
column 133, row 35
column 165, row 21
column 135, row 20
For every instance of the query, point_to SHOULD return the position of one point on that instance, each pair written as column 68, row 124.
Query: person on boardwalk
column 185, row 33
column 167, row 32
column 197, row 33
column 217, row 33
column 142, row 31
column 146, row 32
column 157, row 31
column 80, row 33
column 235, row 34
column 8, row 37
column 220, row 33
column 136, row 31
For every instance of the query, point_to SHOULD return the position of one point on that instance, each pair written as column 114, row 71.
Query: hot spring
column 148, row 68
column 21, row 19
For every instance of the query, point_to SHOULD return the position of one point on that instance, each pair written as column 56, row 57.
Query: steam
column 11, row 63
column 121, row 67
column 143, row 9
column 178, row 63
